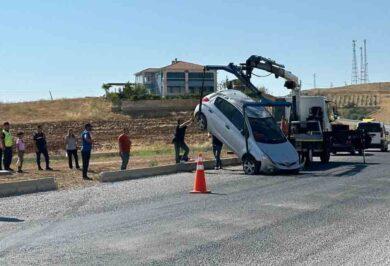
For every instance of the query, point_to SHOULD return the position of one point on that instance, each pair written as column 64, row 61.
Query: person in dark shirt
column 179, row 140
column 217, row 149
column 1, row 149
column 41, row 148
column 86, row 149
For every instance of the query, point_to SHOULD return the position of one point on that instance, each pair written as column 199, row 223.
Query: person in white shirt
column 71, row 149
column 20, row 148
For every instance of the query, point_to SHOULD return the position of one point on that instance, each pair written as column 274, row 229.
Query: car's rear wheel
column 201, row 122
column 250, row 165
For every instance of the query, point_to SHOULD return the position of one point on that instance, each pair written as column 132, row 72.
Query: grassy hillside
column 58, row 110
column 362, row 100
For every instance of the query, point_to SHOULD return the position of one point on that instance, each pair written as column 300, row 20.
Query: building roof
column 148, row 70
column 176, row 65
column 181, row 65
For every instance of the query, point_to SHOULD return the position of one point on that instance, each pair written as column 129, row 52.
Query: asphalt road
column 336, row 214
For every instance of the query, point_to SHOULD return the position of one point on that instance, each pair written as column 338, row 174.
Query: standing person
column 124, row 148
column 284, row 125
column 217, row 149
column 86, row 149
column 41, row 148
column 20, row 148
column 8, row 142
column 1, row 149
column 71, row 149
column 179, row 140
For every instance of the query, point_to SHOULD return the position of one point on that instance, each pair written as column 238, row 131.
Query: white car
column 377, row 131
column 254, row 137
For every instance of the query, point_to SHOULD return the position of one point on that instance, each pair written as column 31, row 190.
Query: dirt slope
column 60, row 115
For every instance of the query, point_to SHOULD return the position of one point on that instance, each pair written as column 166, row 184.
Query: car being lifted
column 249, row 130
column 246, row 126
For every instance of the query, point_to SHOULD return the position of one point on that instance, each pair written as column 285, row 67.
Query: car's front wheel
column 250, row 166
column 201, row 122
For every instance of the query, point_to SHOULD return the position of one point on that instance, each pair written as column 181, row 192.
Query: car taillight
column 205, row 99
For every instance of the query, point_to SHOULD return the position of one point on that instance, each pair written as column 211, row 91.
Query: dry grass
column 58, row 110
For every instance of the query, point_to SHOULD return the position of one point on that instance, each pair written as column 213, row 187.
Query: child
column 20, row 148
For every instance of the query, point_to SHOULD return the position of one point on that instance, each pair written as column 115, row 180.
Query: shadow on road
column 10, row 220
column 218, row 194
column 353, row 168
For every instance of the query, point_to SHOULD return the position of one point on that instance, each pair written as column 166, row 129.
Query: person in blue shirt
column 86, row 149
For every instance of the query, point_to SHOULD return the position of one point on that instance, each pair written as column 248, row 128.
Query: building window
column 199, row 75
column 176, row 90
column 175, row 76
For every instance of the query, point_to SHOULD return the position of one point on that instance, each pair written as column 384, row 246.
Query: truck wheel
column 201, row 122
column 250, row 165
column 352, row 152
column 385, row 148
column 325, row 156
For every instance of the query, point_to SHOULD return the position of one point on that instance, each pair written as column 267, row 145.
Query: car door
column 231, row 125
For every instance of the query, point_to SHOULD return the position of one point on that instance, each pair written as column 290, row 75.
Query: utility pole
column 365, row 62
column 354, row 64
column 362, row 73
column 314, row 81
column 51, row 96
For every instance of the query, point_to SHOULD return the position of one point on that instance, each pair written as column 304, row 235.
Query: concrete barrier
column 5, row 172
column 114, row 176
column 27, row 186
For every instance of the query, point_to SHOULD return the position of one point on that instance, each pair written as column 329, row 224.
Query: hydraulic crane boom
column 244, row 73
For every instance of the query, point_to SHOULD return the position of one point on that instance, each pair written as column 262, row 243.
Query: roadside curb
column 113, row 176
column 27, row 186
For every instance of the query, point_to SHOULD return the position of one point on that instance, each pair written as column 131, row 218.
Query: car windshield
column 370, row 127
column 264, row 127
column 265, row 130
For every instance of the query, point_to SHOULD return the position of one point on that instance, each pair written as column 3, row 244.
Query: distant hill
column 362, row 100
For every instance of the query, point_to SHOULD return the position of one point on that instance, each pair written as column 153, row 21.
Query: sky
column 72, row 47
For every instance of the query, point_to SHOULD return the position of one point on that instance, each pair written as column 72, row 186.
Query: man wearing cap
column 86, row 149
column 8, row 142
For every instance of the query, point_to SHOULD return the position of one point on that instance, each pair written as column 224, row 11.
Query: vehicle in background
column 254, row 137
column 377, row 131
column 343, row 139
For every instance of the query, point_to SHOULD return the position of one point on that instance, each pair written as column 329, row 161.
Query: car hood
column 281, row 153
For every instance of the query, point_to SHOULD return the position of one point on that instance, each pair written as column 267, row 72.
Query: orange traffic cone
column 200, row 179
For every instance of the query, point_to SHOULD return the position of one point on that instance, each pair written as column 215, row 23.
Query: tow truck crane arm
column 244, row 73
